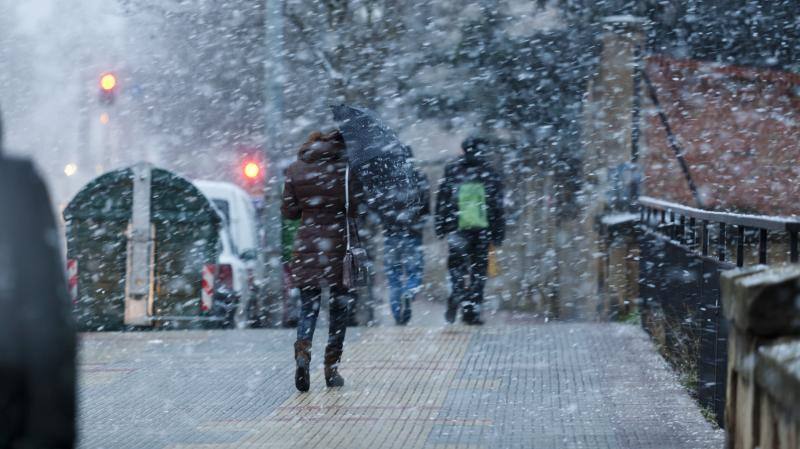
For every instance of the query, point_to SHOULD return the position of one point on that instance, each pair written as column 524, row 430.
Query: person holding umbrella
column 469, row 213
column 394, row 192
column 314, row 193
column 403, row 258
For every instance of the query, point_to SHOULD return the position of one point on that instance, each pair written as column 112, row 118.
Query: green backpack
column 472, row 206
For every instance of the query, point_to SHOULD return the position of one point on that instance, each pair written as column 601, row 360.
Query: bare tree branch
column 324, row 60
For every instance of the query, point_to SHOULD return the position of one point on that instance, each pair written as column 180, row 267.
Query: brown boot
column 302, row 357
column 332, row 376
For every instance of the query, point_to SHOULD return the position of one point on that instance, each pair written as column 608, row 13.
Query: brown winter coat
column 314, row 193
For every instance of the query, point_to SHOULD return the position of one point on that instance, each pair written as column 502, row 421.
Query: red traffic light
column 251, row 170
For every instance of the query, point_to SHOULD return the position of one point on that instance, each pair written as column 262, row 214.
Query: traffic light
column 248, row 169
column 251, row 170
column 251, row 173
column 108, row 87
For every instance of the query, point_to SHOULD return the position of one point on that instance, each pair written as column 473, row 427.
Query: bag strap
column 347, row 204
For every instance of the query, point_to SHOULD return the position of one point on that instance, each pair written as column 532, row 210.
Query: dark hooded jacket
column 37, row 336
column 314, row 193
column 471, row 167
column 403, row 217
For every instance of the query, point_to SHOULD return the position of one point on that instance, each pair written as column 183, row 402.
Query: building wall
column 740, row 131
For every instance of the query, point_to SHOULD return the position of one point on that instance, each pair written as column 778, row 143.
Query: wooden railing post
column 763, row 384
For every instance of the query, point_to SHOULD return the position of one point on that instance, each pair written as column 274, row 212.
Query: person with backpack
column 403, row 222
column 469, row 213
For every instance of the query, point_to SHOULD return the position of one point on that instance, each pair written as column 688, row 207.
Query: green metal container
column 186, row 241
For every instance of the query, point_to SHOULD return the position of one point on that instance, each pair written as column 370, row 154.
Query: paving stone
column 509, row 384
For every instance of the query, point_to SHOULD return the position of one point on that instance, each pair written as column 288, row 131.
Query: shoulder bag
column 355, row 258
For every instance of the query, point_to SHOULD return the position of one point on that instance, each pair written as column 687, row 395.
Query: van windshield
column 223, row 207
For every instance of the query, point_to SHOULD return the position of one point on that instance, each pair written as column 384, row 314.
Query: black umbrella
column 378, row 158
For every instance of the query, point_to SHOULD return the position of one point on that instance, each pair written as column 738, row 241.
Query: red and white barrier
column 207, row 294
column 72, row 279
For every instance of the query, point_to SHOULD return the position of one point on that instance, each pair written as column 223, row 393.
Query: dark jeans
column 309, row 311
column 467, row 264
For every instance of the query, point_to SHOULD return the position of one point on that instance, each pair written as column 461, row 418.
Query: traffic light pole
column 85, row 154
column 273, row 146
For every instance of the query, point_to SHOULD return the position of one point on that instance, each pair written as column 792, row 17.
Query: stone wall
column 608, row 127
column 618, row 266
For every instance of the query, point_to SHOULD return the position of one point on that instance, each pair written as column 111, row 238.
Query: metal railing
column 691, row 226
column 683, row 250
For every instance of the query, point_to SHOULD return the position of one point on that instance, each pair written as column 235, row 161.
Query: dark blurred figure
column 469, row 212
column 37, row 335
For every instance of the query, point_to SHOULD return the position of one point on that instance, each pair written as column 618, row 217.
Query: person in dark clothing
column 403, row 257
column 469, row 213
column 37, row 333
column 314, row 193
column 290, row 294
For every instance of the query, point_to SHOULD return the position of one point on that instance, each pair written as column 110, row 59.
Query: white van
column 243, row 249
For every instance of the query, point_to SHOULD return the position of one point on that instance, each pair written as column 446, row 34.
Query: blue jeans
column 403, row 262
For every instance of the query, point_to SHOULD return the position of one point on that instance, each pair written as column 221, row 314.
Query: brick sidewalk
column 509, row 384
